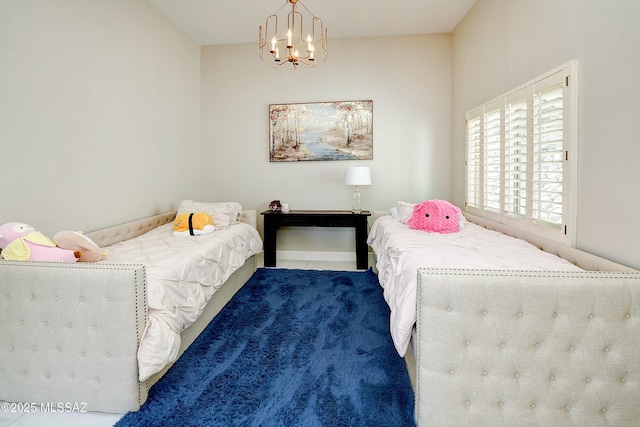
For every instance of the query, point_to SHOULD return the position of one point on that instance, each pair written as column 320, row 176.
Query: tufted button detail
column 517, row 375
column 568, row 408
column 485, row 312
column 606, row 349
column 533, row 406
column 81, row 298
column 451, row 372
column 48, row 375
column 552, row 378
column 84, row 354
column 503, row 345
column 467, row 343
column 603, row 410
column 588, row 380
column 591, row 316
column 45, row 323
column 501, row 403
column 57, row 298
column 108, row 354
column 555, row 315
column 484, row 373
column 108, row 299
column 520, row 314
column 466, row 402
column 12, row 349
column 69, row 325
column 627, row 316
column 623, row 379
column 449, row 309
column 538, row 345
column 572, row 348
column 34, row 348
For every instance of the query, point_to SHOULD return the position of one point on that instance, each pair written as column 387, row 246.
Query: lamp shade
column 358, row 175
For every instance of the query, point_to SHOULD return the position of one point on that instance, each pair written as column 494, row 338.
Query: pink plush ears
column 438, row 216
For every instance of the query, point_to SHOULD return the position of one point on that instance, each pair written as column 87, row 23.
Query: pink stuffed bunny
column 20, row 241
column 437, row 216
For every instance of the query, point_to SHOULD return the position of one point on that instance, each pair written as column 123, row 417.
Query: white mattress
column 183, row 272
column 400, row 251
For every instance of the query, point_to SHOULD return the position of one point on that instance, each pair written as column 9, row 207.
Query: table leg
column 362, row 249
column 269, row 243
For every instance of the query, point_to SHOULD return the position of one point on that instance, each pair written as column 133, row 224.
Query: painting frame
column 321, row 131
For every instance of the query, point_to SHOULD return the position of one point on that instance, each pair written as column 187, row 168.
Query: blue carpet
column 292, row 348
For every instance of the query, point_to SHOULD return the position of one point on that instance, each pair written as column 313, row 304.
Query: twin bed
column 504, row 333
column 100, row 334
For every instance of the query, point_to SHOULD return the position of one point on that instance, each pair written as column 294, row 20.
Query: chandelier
column 292, row 48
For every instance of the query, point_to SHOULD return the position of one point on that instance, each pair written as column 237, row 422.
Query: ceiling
column 236, row 21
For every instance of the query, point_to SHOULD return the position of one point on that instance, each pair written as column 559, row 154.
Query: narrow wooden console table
column 274, row 220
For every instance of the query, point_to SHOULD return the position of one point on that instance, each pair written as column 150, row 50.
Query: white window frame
column 512, row 202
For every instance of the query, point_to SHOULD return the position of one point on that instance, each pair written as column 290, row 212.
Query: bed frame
column 70, row 331
column 509, row 348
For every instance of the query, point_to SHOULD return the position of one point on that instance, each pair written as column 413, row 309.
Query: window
column 520, row 157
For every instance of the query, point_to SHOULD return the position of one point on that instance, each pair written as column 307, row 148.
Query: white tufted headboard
column 118, row 233
column 511, row 348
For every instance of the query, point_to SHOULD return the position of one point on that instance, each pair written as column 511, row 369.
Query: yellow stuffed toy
column 193, row 224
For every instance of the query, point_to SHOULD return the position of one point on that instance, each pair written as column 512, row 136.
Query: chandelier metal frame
column 285, row 49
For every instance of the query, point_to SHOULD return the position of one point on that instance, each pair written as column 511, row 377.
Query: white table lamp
column 357, row 175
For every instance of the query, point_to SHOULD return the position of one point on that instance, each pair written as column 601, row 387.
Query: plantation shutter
column 548, row 151
column 518, row 168
column 515, row 154
column 492, row 160
column 473, row 159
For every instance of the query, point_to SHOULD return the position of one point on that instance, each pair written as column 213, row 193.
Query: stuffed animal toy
column 78, row 242
column 22, row 242
column 437, row 216
column 193, row 224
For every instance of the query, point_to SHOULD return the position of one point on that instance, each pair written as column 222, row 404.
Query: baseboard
column 316, row 256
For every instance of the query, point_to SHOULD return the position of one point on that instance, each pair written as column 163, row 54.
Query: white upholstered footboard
column 510, row 348
column 70, row 333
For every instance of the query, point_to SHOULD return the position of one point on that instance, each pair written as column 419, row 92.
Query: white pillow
column 462, row 221
column 223, row 214
column 405, row 211
column 394, row 213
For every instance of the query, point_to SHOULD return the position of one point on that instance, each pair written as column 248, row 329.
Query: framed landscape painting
column 321, row 131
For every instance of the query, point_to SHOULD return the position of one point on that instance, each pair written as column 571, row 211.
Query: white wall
column 99, row 113
column 409, row 81
column 501, row 44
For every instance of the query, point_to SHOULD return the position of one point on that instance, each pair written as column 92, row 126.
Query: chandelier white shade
column 357, row 175
column 292, row 38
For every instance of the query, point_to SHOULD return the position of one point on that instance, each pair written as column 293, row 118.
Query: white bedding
column 183, row 272
column 400, row 251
